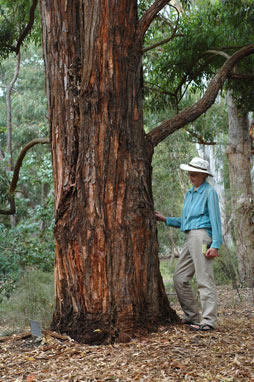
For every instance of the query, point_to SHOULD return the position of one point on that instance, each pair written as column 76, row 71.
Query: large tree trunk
column 238, row 154
column 107, row 278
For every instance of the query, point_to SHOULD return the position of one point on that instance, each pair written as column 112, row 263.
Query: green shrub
column 33, row 298
column 167, row 269
column 29, row 244
column 225, row 267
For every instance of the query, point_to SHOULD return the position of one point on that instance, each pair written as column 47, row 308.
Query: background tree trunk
column 238, row 154
column 107, row 278
column 9, row 90
column 9, row 112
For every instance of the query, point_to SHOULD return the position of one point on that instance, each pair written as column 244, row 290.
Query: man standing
column 201, row 223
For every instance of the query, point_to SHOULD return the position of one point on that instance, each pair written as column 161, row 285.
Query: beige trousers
column 191, row 261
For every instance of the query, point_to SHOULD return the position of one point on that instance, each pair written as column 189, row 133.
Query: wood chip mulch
column 172, row 354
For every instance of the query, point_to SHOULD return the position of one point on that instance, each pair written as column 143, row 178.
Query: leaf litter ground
column 172, row 354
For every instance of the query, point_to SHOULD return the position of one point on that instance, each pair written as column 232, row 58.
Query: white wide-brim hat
column 197, row 165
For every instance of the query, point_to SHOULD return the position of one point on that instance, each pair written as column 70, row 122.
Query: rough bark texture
column 238, row 154
column 108, row 284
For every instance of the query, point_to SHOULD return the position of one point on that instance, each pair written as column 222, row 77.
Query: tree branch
column 162, row 42
column 28, row 27
column 200, row 139
column 164, row 20
column 217, row 52
column 173, row 35
column 158, row 89
column 190, row 114
column 234, row 75
column 191, row 75
column 20, row 160
column 12, row 209
column 239, row 76
column 15, row 176
column 150, row 14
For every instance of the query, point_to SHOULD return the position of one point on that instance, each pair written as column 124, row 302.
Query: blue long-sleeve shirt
column 201, row 210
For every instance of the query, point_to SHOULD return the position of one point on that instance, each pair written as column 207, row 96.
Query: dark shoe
column 202, row 327
column 186, row 322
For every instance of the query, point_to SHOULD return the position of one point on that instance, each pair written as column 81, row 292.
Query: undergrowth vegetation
column 32, row 298
column 32, row 295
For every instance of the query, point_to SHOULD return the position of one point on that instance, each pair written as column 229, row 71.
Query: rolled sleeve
column 173, row 222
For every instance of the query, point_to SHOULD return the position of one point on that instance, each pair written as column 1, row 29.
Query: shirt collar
column 200, row 189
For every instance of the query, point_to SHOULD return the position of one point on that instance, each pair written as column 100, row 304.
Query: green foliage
column 211, row 126
column 187, row 60
column 30, row 241
column 4, row 185
column 225, row 267
column 14, row 17
column 167, row 267
column 7, row 37
column 29, row 110
column 33, row 298
column 29, row 104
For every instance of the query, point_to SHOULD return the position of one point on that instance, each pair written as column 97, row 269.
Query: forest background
column 176, row 73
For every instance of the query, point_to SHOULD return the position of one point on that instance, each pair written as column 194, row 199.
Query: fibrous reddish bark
column 108, row 283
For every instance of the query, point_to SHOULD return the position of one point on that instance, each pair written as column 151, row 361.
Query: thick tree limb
column 28, row 27
column 150, row 14
column 190, row 114
column 16, row 173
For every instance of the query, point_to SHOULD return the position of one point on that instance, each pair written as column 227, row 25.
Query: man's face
column 197, row 178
